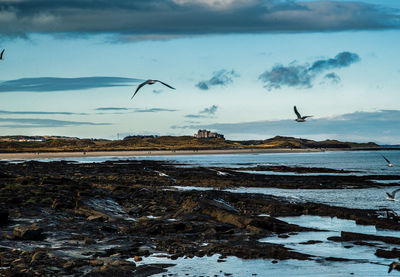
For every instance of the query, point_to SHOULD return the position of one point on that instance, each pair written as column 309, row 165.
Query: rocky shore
column 100, row 219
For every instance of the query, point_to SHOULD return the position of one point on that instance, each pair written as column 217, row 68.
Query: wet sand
column 44, row 155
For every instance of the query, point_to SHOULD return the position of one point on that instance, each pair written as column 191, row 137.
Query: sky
column 238, row 67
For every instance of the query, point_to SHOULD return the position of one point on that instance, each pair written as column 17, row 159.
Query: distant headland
column 43, row 144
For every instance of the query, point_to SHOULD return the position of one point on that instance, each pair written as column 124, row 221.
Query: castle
column 207, row 134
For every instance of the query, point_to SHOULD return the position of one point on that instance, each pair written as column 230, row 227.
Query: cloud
column 39, row 112
column 210, row 110
column 147, row 37
column 205, row 113
column 46, row 84
column 381, row 126
column 221, row 78
column 302, row 75
column 196, row 116
column 41, row 123
column 332, row 77
column 292, row 76
column 154, row 110
column 159, row 19
column 111, row 109
column 119, row 110
column 342, row 59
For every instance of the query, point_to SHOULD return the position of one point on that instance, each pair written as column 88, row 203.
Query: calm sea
column 366, row 162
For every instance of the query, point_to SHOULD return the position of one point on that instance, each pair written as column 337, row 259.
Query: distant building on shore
column 207, row 134
column 34, row 138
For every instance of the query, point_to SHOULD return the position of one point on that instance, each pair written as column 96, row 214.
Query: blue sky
column 239, row 67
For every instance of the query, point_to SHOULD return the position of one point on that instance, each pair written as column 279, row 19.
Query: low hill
column 172, row 143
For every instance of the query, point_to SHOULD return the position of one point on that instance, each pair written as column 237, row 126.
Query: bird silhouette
column 391, row 196
column 389, row 164
column 299, row 117
column 1, row 54
column 150, row 82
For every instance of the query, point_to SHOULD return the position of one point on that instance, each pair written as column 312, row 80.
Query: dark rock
column 32, row 232
column 151, row 269
column 335, row 259
column 350, row 236
column 392, row 254
column 311, row 242
column 39, row 256
column 3, row 217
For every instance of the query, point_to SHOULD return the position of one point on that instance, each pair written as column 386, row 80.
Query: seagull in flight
column 391, row 196
column 150, row 82
column 299, row 117
column 389, row 164
column 1, row 54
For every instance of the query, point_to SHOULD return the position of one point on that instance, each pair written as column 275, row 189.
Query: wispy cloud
column 122, row 110
column 210, row 110
column 111, row 109
column 40, row 112
column 381, row 126
column 205, row 113
column 163, row 19
column 196, row 116
column 332, row 78
column 219, row 78
column 46, row 84
column 42, row 123
column 302, row 76
column 154, row 110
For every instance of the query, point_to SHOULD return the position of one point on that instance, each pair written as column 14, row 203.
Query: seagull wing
column 394, row 192
column 386, row 159
column 1, row 54
column 139, row 87
column 296, row 112
column 306, row 116
column 164, row 84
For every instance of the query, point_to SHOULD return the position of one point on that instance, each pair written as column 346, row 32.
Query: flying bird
column 389, row 164
column 391, row 196
column 150, row 82
column 299, row 117
column 1, row 54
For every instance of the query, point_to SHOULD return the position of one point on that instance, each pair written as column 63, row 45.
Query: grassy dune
column 172, row 143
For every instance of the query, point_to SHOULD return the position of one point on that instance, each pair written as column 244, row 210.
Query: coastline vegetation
column 172, row 143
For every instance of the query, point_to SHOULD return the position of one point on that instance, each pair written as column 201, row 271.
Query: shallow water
column 209, row 266
column 363, row 261
column 368, row 198
column 367, row 162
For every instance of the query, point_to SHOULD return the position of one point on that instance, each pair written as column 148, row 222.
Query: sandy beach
column 44, row 155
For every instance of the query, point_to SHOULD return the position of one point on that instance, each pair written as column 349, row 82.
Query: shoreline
column 44, row 155
column 139, row 153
